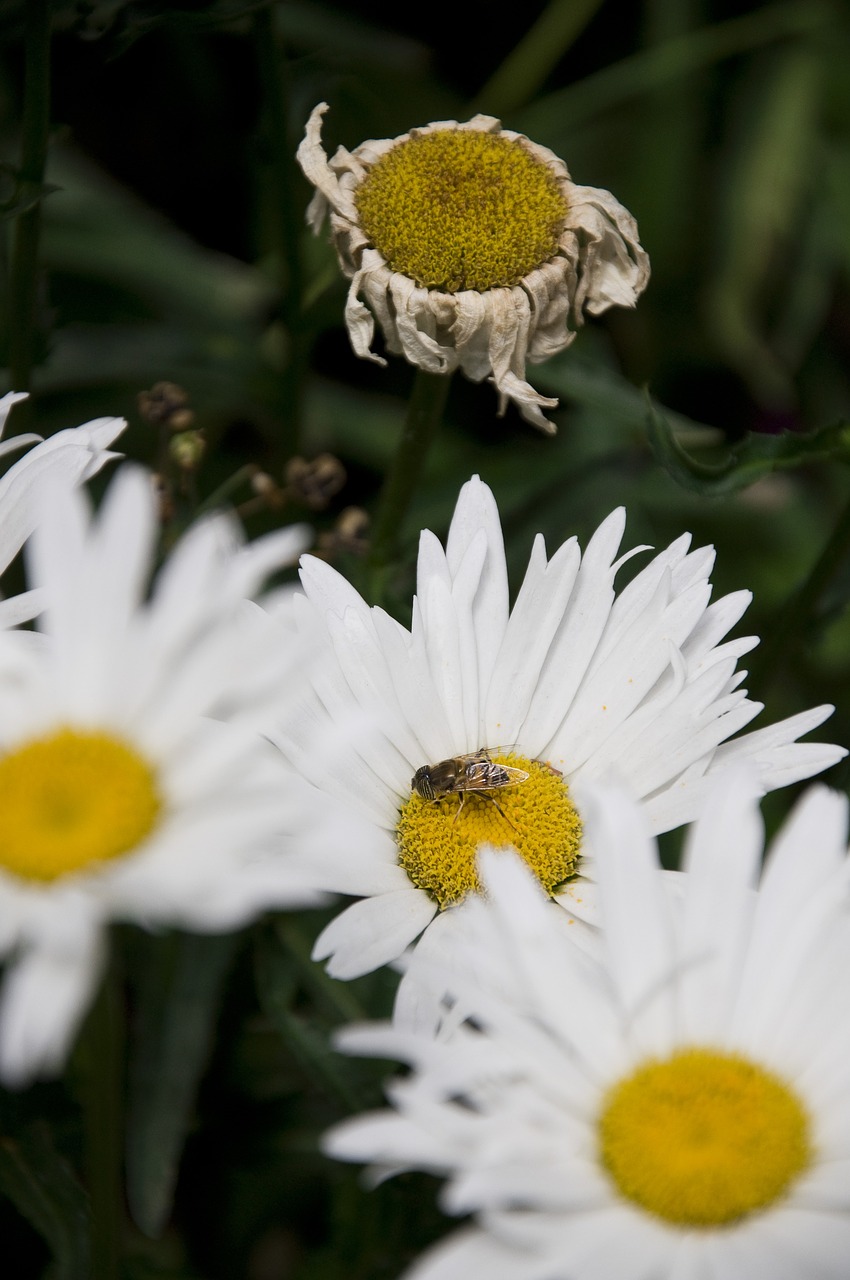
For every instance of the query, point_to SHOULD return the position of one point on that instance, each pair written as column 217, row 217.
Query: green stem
column 526, row 67
column 339, row 999
column 667, row 63
column 427, row 402
column 222, row 494
column 283, row 220
column 788, row 630
column 103, row 1094
column 23, row 283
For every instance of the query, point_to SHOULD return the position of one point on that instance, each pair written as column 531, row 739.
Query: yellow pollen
column 71, row 799
column 703, row 1138
column 438, row 840
column 461, row 209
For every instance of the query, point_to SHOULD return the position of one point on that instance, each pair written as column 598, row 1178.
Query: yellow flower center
column 703, row 1138
column 461, row 209
column 72, row 799
column 438, row 840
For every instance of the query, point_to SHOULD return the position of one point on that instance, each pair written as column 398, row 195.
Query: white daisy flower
column 679, row 1110
column 472, row 248
column 68, row 457
column 572, row 682
column 131, row 785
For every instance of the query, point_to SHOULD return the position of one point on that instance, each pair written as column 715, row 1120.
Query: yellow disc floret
column 461, row 209
column 72, row 799
column 438, row 840
column 703, row 1138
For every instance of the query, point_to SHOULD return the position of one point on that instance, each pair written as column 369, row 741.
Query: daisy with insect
column 475, row 772
column 572, row 682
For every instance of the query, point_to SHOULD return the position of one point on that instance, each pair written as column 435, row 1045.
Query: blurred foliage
column 171, row 247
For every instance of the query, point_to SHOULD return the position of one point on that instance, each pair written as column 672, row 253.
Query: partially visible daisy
column 572, row 682
column 472, row 248
column 68, row 457
column 680, row 1109
column 133, row 785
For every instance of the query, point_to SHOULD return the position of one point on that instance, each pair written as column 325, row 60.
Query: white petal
column 636, row 932
column 44, row 997
column 578, row 635
column 722, row 861
column 373, row 932
column 472, row 1253
column 529, row 634
column 67, row 458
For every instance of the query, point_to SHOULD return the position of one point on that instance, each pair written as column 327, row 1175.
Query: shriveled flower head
column 480, row 722
column 133, row 783
column 472, row 248
column 678, row 1107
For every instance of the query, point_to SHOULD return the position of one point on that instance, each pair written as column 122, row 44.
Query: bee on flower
column 572, row 682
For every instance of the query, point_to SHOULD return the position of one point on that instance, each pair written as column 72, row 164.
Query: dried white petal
column 494, row 333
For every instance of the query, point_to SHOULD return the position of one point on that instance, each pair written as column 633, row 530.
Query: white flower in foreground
column 679, row 1110
column 572, row 683
column 472, row 248
column 68, row 457
column 132, row 785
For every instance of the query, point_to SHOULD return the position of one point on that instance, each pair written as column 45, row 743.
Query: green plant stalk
column 340, row 999
column 284, row 223
column 526, row 67
column 790, row 626
column 23, row 276
column 103, row 1096
column 424, row 412
column 669, row 62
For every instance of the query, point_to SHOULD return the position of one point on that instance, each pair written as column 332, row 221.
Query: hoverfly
column 474, row 772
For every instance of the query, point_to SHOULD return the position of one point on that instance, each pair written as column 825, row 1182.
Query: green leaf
column 594, row 385
column 746, row 461
column 43, row 1188
column 553, row 117
column 771, row 187
column 539, row 51
column 176, row 1025
column 278, row 970
column 18, row 195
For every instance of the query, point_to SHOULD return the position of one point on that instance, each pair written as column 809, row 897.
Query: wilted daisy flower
column 680, row 1108
column 68, row 457
column 131, row 786
column 570, row 683
column 472, row 248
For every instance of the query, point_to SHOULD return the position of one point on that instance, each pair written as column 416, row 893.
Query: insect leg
column 462, row 795
column 494, row 801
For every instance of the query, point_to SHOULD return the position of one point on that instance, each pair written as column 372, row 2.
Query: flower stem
column 427, row 402
column 788, row 629
column 23, row 283
column 526, row 67
column 284, row 222
column 103, row 1102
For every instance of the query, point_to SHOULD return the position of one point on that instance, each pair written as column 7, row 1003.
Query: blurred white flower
column 71, row 457
column 133, row 783
column 472, row 248
column 572, row 683
column 679, row 1108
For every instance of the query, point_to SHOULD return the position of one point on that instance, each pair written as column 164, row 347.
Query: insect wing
column 511, row 776
column 484, row 775
column 476, row 774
